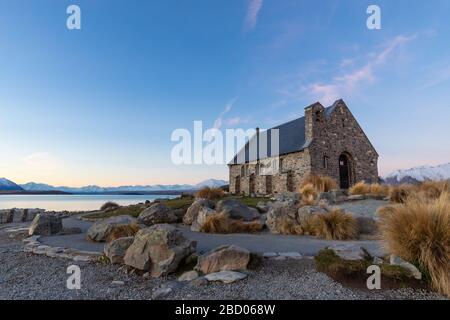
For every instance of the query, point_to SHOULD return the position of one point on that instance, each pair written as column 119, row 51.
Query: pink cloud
column 254, row 7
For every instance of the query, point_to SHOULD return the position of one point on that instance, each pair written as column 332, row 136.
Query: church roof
column 291, row 139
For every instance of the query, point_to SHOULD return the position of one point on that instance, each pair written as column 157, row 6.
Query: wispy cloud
column 349, row 82
column 254, row 7
column 219, row 121
column 440, row 76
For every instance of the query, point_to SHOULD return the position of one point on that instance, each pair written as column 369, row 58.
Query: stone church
column 327, row 141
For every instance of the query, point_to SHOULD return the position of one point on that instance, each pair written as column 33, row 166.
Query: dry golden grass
column 360, row 188
column 320, row 182
column 308, row 194
column 399, row 194
column 210, row 193
column 221, row 223
column 433, row 189
column 122, row 231
column 335, row 225
column 289, row 226
column 419, row 231
column 379, row 189
column 109, row 206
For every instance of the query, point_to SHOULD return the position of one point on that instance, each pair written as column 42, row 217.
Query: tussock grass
column 399, row 194
column 122, row 231
column 375, row 189
column 210, row 193
column 379, row 190
column 419, row 231
column 308, row 194
column 335, row 225
column 109, row 206
column 222, row 223
column 360, row 188
column 320, row 182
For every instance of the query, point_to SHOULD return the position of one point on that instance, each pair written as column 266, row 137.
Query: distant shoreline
column 124, row 193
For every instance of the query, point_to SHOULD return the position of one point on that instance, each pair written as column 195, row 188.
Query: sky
column 98, row 105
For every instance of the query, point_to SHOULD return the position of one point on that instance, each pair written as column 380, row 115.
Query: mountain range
column 8, row 185
column 419, row 174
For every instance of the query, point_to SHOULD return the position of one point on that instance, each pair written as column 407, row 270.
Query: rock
column 115, row 250
column 236, row 210
column 262, row 207
column 278, row 212
column 117, row 283
column 228, row 257
column 188, row 276
column 156, row 214
column 367, row 225
column 304, row 213
column 269, row 255
column 161, row 292
column 291, row 255
column 192, row 211
column 179, row 213
column 226, row 276
column 100, row 230
column 356, row 197
column 68, row 231
column 6, row 216
column 159, row 250
column 200, row 281
column 349, row 252
column 203, row 213
column 378, row 261
column 397, row 261
column 329, row 197
column 291, row 197
column 45, row 225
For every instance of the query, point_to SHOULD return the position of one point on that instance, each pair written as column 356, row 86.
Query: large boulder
column 100, row 230
column 228, row 257
column 291, row 197
column 278, row 212
column 156, row 214
column 236, row 210
column 304, row 213
column 45, row 225
column 192, row 211
column 203, row 213
column 115, row 250
column 159, row 250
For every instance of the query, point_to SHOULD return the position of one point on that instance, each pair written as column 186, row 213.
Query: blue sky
column 98, row 105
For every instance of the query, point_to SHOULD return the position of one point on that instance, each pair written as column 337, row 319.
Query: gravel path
column 26, row 276
column 366, row 207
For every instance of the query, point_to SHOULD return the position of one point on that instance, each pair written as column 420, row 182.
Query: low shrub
column 122, row 231
column 210, row 193
column 308, row 194
column 109, row 206
column 320, row 182
column 222, row 223
column 419, row 232
column 335, row 225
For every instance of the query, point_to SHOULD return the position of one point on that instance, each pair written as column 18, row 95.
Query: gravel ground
column 25, row 276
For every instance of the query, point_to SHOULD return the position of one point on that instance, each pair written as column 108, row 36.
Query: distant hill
column 8, row 185
column 419, row 174
column 39, row 187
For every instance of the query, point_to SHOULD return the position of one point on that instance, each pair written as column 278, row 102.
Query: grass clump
column 321, row 183
column 419, row 231
column 399, row 194
column 210, row 193
column 360, row 188
column 335, row 225
column 109, row 206
column 308, row 194
column 222, row 223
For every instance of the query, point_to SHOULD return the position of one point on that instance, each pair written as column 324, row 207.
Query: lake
column 72, row 202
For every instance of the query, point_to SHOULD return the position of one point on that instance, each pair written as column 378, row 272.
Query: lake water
column 72, row 202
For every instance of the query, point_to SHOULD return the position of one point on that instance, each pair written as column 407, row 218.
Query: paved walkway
column 259, row 243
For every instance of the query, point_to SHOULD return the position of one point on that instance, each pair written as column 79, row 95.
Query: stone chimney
column 314, row 114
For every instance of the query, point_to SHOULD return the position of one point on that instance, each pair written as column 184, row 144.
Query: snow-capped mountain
column 8, row 185
column 32, row 186
column 419, row 174
column 212, row 183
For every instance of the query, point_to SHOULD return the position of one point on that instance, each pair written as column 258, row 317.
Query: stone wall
column 337, row 134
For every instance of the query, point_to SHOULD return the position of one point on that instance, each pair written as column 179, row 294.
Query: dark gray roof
column 292, row 139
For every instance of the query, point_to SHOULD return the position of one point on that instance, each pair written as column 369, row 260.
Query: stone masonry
column 335, row 145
